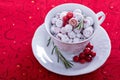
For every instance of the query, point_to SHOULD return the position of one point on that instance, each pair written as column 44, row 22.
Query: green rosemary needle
column 80, row 25
column 53, row 50
column 48, row 41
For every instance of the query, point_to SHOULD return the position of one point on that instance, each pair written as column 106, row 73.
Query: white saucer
column 102, row 47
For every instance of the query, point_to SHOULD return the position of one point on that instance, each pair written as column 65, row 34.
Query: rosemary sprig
column 66, row 63
column 48, row 41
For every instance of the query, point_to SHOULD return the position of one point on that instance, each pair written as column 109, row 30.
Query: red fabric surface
column 20, row 18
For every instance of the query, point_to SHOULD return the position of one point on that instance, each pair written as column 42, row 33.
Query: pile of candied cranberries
column 72, row 26
column 86, row 56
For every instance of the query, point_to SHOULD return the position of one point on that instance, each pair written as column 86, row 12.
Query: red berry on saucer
column 93, row 54
column 86, row 54
column 69, row 15
column 87, row 50
column 82, row 55
column 90, row 46
column 76, row 58
column 82, row 61
column 88, row 58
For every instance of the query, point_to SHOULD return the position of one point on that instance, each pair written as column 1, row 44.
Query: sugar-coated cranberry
column 70, row 15
column 73, row 22
column 76, row 58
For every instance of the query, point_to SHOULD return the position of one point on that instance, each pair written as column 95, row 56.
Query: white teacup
column 73, row 47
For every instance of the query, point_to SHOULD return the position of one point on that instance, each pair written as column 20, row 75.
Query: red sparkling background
column 20, row 18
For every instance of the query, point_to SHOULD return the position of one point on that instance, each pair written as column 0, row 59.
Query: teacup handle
column 101, row 17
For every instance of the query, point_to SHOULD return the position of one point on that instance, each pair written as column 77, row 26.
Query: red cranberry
column 93, row 54
column 87, row 50
column 88, row 58
column 90, row 46
column 69, row 15
column 64, row 23
column 82, row 61
column 82, row 55
column 76, row 58
column 65, row 18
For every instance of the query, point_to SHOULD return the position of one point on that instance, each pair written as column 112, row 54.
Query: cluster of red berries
column 86, row 56
column 67, row 17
